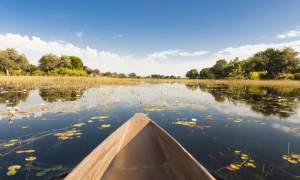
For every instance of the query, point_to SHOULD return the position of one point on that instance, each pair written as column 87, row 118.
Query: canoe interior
column 139, row 150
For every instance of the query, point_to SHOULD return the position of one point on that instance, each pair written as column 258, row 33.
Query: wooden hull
column 139, row 150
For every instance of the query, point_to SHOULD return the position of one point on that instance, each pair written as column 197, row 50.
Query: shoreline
column 82, row 81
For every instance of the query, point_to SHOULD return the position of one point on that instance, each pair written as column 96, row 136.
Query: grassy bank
column 59, row 81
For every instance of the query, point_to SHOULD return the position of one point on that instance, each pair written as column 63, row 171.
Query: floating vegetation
column 99, row 117
column 9, row 145
column 186, row 123
column 25, row 151
column 237, row 120
column 152, row 109
column 234, row 166
column 12, row 170
column 30, row 158
column 78, row 125
column 69, row 134
column 292, row 158
column 192, row 124
column 244, row 162
column 105, row 125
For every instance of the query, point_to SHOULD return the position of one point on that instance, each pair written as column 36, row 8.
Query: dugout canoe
column 139, row 150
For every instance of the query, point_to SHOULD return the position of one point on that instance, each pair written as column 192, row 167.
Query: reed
column 65, row 81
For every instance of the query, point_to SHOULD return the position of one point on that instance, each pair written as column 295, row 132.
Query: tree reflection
column 13, row 96
column 60, row 94
column 281, row 102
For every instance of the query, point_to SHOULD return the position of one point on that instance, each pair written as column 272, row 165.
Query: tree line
column 14, row 63
column 268, row 64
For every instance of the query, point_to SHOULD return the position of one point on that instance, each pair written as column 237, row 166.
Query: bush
column 38, row 73
column 285, row 76
column 67, row 72
column 257, row 75
column 297, row 76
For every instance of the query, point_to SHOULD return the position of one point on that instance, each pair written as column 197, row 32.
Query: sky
column 148, row 36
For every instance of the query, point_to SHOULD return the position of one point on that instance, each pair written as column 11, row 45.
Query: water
column 261, row 122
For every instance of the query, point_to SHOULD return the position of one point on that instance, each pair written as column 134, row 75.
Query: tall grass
column 65, row 81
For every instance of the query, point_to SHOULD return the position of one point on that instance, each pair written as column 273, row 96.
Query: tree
column 10, row 59
column 132, row 75
column 49, row 62
column 65, row 61
column 76, row 62
column 276, row 61
column 206, row 73
column 219, row 69
column 235, row 69
column 192, row 74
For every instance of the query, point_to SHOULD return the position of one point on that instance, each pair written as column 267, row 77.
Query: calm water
column 247, row 128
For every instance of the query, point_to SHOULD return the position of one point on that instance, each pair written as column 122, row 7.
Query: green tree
column 65, row 61
column 192, row 74
column 132, row 75
column 219, row 69
column 10, row 59
column 49, row 62
column 206, row 73
column 76, row 62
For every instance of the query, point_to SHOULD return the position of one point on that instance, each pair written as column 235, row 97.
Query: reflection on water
column 59, row 94
column 282, row 102
column 237, row 132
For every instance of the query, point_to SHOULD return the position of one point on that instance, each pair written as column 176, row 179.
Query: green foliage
column 76, row 62
column 11, row 60
column 268, row 64
column 49, row 62
column 219, row 69
column 62, row 71
column 297, row 76
column 257, row 75
column 192, row 74
column 206, row 73
column 38, row 73
column 285, row 76
column 132, row 75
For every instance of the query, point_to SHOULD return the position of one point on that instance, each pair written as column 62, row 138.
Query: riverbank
column 63, row 81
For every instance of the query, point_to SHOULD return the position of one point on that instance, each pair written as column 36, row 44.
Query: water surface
column 236, row 132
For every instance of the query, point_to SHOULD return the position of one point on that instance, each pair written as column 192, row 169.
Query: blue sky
column 154, row 34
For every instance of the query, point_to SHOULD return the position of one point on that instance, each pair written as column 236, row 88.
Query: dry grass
column 57, row 81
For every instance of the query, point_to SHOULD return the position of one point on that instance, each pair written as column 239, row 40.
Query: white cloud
column 168, row 62
column 172, row 53
column 35, row 47
column 248, row 50
column 79, row 34
column 288, row 34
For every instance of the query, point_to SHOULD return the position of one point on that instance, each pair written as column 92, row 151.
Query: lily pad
column 31, row 158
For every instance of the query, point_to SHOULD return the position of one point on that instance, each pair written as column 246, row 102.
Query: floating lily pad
column 105, row 125
column 30, row 158
column 25, row 151
column 12, row 170
column 78, row 124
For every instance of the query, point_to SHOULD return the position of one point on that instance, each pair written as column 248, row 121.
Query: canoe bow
column 139, row 149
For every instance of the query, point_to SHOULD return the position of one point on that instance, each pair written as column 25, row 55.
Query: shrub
column 38, row 73
column 285, row 76
column 297, row 76
column 257, row 75
column 61, row 71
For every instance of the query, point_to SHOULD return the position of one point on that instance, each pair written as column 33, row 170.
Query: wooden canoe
column 138, row 150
